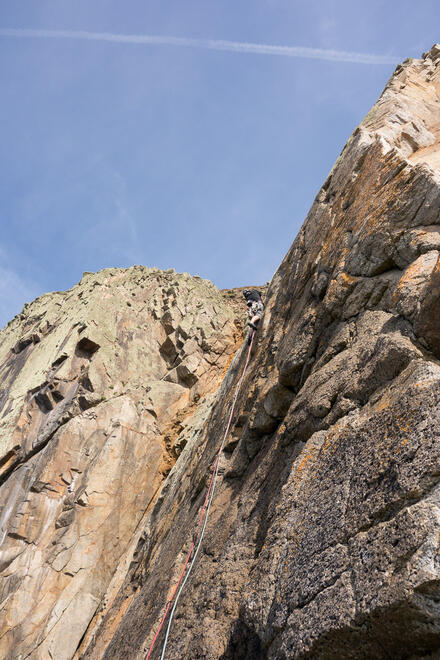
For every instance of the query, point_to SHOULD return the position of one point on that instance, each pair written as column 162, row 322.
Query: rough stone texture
column 98, row 385
column 323, row 539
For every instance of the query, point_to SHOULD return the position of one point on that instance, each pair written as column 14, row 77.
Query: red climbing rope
column 205, row 508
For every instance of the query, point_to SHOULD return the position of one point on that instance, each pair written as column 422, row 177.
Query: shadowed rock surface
column 323, row 538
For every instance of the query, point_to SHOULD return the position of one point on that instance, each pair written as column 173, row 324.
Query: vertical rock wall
column 323, row 541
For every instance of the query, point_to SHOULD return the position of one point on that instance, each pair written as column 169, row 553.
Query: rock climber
column 255, row 309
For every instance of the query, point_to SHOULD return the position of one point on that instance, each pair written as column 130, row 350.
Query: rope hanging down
column 203, row 517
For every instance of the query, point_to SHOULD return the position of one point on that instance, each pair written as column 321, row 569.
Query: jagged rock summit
column 323, row 538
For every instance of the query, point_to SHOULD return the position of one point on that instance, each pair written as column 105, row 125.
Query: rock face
column 323, row 539
column 98, row 386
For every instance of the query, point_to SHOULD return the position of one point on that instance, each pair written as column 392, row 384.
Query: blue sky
column 117, row 154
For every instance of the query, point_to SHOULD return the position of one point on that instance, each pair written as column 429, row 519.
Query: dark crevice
column 86, row 348
column 43, row 402
column 59, row 360
column 57, row 396
column 86, row 383
column 244, row 644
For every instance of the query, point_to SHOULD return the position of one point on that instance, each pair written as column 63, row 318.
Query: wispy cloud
column 209, row 44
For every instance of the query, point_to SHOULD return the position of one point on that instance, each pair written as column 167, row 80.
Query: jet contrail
column 210, row 44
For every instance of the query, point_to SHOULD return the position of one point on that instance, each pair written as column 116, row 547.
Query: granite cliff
column 323, row 539
column 100, row 388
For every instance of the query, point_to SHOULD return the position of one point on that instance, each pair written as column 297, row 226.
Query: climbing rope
column 202, row 517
